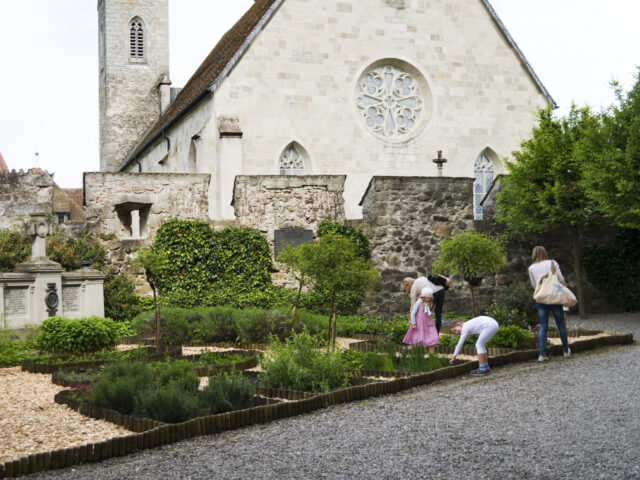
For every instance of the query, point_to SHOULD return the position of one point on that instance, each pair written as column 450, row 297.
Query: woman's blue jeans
column 558, row 315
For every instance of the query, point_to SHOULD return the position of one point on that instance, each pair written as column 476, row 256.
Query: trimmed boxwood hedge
column 204, row 265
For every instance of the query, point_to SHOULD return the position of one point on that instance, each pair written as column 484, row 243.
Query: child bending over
column 484, row 326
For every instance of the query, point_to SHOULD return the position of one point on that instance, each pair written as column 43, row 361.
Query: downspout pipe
column 164, row 135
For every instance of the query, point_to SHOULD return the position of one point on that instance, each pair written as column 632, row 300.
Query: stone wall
column 272, row 202
column 22, row 193
column 126, row 209
column 406, row 218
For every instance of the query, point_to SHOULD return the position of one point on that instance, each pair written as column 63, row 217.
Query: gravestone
column 39, row 288
column 292, row 236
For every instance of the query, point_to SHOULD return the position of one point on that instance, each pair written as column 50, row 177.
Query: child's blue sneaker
column 477, row 371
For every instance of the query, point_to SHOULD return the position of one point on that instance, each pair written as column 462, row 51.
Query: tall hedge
column 206, row 266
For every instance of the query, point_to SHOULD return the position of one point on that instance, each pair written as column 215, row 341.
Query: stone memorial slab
column 16, row 303
column 292, row 236
column 71, row 299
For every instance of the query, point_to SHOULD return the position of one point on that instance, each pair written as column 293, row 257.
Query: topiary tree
column 333, row 264
column 472, row 255
column 120, row 299
column 152, row 263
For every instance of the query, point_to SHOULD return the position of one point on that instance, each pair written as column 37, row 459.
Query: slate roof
column 229, row 50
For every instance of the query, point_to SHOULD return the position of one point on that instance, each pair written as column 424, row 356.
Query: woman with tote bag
column 540, row 266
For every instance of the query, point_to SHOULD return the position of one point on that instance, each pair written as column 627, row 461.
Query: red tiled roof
column 211, row 71
column 3, row 166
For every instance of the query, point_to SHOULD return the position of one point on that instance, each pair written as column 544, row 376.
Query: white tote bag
column 550, row 291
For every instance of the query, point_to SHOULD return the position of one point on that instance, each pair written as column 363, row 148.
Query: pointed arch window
column 292, row 161
column 483, row 174
column 136, row 39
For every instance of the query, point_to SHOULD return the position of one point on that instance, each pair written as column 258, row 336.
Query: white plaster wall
column 298, row 81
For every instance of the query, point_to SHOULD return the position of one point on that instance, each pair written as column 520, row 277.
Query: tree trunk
column 474, row 307
column 295, row 305
column 334, row 327
column 577, row 253
column 330, row 334
column 157, row 310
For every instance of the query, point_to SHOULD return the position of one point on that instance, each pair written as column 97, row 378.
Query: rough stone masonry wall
column 406, row 218
column 271, row 202
column 22, row 193
column 166, row 196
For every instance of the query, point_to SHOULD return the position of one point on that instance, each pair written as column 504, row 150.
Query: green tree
column 545, row 188
column 120, row 299
column 472, row 255
column 612, row 174
column 334, row 265
column 15, row 248
column 152, row 263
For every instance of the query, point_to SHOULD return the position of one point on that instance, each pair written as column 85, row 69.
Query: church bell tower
column 134, row 59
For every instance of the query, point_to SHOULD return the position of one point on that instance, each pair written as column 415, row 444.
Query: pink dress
column 426, row 333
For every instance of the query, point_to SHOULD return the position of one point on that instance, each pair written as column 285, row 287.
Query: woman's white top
column 474, row 326
column 536, row 270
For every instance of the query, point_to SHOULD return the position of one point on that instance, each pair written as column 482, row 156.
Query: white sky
column 49, row 65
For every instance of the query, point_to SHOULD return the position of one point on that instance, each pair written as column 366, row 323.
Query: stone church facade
column 358, row 88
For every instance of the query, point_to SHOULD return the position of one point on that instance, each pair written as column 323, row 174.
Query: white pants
column 486, row 334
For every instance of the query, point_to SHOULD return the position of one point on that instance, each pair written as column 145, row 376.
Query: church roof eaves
column 211, row 72
column 525, row 63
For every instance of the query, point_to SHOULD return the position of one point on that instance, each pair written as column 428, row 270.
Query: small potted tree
column 472, row 255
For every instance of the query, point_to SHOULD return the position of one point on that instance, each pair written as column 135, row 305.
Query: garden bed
column 124, row 442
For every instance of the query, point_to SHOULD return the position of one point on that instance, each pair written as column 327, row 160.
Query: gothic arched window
column 483, row 173
column 292, row 160
column 136, row 39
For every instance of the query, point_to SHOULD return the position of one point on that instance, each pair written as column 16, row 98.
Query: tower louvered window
column 136, row 40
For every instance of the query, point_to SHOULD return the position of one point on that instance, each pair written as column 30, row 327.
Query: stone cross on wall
column 38, row 227
column 439, row 161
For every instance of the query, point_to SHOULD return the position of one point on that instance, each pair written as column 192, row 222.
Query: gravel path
column 576, row 418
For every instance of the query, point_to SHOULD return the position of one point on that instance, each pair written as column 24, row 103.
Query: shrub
column 76, row 335
column 168, row 403
column 417, row 360
column 298, row 365
column 376, row 361
column 221, row 324
column 228, row 392
column 167, row 391
column 119, row 384
column 511, row 336
column 69, row 251
column 201, row 262
column 357, row 237
column 12, row 351
column 14, row 248
column 120, row 299
column 615, row 269
column 515, row 306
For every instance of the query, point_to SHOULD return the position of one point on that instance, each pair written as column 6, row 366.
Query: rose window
column 389, row 102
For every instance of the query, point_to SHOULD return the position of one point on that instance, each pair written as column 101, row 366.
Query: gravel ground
column 576, row 418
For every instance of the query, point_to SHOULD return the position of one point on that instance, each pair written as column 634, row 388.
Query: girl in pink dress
column 422, row 330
